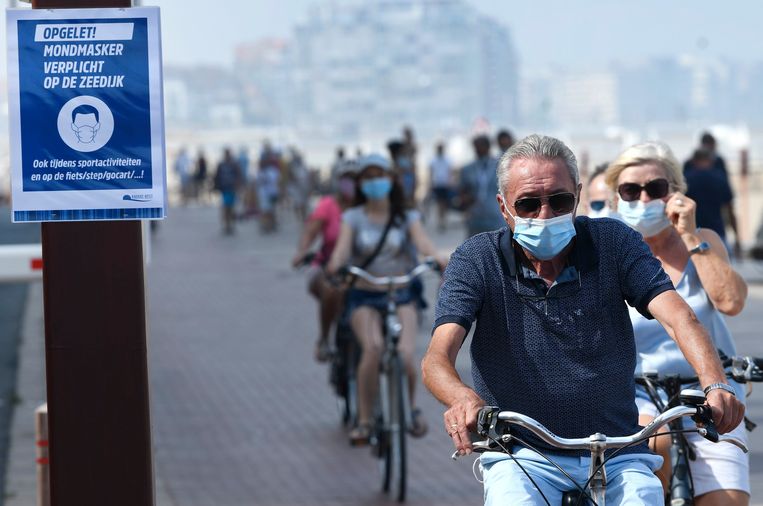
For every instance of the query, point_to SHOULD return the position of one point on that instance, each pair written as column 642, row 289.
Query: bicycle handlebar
column 744, row 369
column 489, row 416
column 426, row 265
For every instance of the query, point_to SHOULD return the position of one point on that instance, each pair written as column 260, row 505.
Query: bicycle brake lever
column 704, row 417
column 477, row 447
column 486, row 418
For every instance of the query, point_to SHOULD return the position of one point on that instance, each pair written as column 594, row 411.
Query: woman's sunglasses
column 656, row 189
column 561, row 203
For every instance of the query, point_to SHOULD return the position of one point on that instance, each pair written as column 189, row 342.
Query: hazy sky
column 573, row 33
column 587, row 33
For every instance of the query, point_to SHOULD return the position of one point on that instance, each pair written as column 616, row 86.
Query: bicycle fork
column 392, row 331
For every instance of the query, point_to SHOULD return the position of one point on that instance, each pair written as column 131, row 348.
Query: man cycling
column 553, row 338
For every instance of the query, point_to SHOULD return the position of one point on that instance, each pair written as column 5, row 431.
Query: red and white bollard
column 43, row 463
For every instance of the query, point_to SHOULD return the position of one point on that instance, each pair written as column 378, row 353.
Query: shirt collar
column 582, row 255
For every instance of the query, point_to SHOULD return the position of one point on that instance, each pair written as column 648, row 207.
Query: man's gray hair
column 536, row 146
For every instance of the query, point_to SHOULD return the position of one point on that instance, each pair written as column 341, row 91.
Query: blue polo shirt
column 565, row 354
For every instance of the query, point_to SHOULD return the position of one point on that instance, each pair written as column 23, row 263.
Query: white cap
column 374, row 160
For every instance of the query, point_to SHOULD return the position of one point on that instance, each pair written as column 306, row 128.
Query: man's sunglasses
column 656, row 189
column 597, row 205
column 561, row 203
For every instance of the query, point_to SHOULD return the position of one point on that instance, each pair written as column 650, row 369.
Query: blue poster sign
column 87, row 132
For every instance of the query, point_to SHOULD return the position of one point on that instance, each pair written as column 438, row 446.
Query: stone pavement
column 241, row 413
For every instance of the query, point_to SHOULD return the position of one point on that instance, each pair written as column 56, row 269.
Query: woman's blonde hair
column 647, row 152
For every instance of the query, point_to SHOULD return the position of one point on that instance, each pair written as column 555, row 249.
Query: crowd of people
column 573, row 287
column 566, row 308
column 277, row 179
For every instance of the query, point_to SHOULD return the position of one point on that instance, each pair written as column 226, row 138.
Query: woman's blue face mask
column 376, row 188
column 647, row 218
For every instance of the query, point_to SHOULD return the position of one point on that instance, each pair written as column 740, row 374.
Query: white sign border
column 88, row 200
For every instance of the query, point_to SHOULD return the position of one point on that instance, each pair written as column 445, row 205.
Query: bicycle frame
column 393, row 396
column 391, row 331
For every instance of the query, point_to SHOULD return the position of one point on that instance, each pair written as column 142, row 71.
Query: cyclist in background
column 325, row 222
column 650, row 185
column 377, row 235
column 553, row 339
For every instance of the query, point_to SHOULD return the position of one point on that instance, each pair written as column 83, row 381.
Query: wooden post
column 95, row 351
column 43, row 468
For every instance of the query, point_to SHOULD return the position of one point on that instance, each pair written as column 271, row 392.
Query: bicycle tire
column 351, row 402
column 396, row 448
column 382, row 449
column 344, row 374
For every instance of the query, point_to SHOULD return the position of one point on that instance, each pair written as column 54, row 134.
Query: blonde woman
column 649, row 187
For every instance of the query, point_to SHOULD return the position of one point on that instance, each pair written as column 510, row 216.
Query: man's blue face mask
column 543, row 238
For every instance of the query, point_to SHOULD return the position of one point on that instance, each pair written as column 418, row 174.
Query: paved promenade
column 241, row 413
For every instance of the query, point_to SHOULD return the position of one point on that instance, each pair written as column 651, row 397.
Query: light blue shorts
column 630, row 478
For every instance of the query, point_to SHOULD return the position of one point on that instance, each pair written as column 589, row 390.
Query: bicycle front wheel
column 395, row 457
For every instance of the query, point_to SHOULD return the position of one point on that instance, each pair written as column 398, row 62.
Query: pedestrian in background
column 298, row 183
column 268, row 187
column 184, row 169
column 477, row 190
column 243, row 162
column 228, row 179
column 707, row 143
column 402, row 166
column 504, row 140
column 441, row 181
column 708, row 185
column 337, row 168
column 200, row 176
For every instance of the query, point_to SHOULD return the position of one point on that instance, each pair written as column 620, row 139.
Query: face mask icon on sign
column 85, row 123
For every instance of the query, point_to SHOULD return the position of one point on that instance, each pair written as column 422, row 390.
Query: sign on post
column 86, row 114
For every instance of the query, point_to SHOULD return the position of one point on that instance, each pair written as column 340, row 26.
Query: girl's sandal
column 360, row 435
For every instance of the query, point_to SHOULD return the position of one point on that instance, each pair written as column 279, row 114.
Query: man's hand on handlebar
column 461, row 418
column 728, row 412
